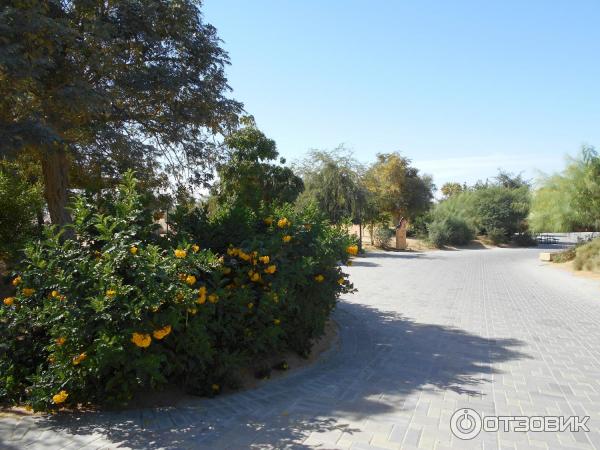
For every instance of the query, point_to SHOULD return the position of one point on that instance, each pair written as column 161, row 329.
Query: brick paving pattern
column 425, row 335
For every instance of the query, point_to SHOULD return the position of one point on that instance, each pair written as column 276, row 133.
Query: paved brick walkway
column 491, row 330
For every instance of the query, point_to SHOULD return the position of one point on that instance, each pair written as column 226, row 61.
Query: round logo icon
column 465, row 423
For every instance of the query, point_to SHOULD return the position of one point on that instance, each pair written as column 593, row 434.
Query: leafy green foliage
column 452, row 188
column 20, row 204
column 398, row 188
column 333, row 182
column 115, row 85
column 450, row 231
column 247, row 176
column 118, row 309
column 497, row 209
column 569, row 201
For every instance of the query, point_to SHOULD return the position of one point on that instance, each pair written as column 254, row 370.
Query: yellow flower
column 271, row 269
column 215, row 387
column 8, row 301
column 349, row 263
column 17, row 281
column 268, row 221
column 283, row 222
column 250, row 305
column 226, row 270
column 54, row 294
column 179, row 253
column 244, row 256
column 77, row 359
column 254, row 276
column 232, row 251
column 141, row 339
column 319, row 278
column 60, row 340
column 60, row 397
column 28, row 292
column 133, row 250
column 201, row 295
column 213, row 298
column 154, row 308
column 341, row 280
column 162, row 332
column 275, row 298
column 264, row 259
column 286, row 238
column 277, row 321
column 195, row 248
column 192, row 311
column 190, row 279
column 111, row 293
column 352, row 250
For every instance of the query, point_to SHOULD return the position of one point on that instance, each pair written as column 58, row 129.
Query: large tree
column 249, row 175
column 398, row 187
column 570, row 200
column 111, row 84
column 333, row 181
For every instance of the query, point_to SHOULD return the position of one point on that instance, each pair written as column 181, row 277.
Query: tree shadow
column 381, row 360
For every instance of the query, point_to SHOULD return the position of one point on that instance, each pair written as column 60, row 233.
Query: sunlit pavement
column 426, row 334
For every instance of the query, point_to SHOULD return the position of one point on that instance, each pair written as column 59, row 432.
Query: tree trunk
column 55, row 168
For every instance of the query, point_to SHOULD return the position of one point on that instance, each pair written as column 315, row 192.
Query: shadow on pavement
column 382, row 360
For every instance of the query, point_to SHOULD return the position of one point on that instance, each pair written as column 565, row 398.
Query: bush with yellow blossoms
column 119, row 310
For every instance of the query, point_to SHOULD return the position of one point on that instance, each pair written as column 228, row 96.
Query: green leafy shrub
column 497, row 210
column 498, row 235
column 20, row 203
column 118, row 309
column 382, row 236
column 450, row 231
column 588, row 256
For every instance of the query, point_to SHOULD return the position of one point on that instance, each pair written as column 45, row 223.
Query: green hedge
column 120, row 309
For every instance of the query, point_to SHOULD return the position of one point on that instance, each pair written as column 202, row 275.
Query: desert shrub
column 564, row 255
column 20, row 203
column 382, row 236
column 450, row 231
column 497, row 235
column 588, row 256
column 487, row 208
column 117, row 309
column 418, row 226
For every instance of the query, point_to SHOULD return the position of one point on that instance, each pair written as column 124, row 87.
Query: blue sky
column 462, row 88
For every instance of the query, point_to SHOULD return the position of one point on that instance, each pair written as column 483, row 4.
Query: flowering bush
column 119, row 309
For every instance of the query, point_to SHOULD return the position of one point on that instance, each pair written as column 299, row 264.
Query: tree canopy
column 570, row 200
column 103, row 86
column 398, row 188
column 248, row 176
